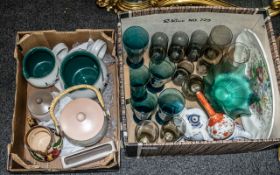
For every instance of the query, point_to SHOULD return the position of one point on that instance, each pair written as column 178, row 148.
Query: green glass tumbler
column 139, row 78
column 171, row 103
column 160, row 75
column 135, row 40
column 144, row 109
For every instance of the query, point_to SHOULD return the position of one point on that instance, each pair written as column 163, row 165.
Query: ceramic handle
column 73, row 88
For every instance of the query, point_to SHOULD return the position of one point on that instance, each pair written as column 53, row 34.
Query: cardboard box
column 188, row 19
column 19, row 159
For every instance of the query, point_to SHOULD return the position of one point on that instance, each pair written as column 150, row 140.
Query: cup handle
column 58, row 86
column 73, row 88
column 60, row 51
column 99, row 48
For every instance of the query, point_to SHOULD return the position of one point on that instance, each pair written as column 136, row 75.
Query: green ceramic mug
column 40, row 67
column 82, row 67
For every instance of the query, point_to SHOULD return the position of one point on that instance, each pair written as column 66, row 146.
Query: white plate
column 260, row 123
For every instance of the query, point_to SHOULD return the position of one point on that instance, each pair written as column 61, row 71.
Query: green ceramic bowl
column 80, row 67
column 38, row 62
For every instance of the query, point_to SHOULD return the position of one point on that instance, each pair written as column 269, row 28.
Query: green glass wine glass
column 160, row 75
column 139, row 78
column 144, row 109
column 135, row 40
column 171, row 103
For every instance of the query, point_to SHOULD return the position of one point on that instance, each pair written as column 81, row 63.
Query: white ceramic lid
column 39, row 102
column 82, row 119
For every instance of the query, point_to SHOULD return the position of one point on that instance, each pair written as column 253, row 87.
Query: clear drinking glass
column 147, row 132
column 220, row 36
column 202, row 67
column 191, row 86
column 184, row 70
column 178, row 46
column 171, row 103
column 170, row 132
column 235, row 58
column 197, row 43
column 158, row 48
column 135, row 40
column 161, row 74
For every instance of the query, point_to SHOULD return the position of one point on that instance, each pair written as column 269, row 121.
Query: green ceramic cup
column 40, row 67
column 81, row 67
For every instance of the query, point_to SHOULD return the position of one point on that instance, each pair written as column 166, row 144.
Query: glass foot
column 153, row 89
column 133, row 65
column 137, row 121
column 159, row 120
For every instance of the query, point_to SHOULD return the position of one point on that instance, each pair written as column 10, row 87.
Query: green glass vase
column 231, row 93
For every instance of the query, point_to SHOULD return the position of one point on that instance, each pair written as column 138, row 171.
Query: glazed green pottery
column 80, row 67
column 40, row 67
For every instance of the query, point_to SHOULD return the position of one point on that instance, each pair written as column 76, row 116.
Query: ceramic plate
column 260, row 123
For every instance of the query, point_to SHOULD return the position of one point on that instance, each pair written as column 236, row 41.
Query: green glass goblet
column 171, row 103
column 139, row 78
column 160, row 75
column 144, row 109
column 135, row 40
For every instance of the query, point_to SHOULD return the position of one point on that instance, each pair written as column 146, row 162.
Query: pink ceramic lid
column 82, row 119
